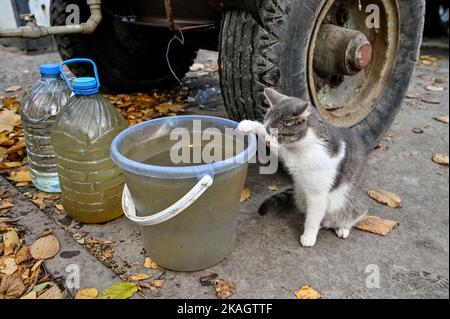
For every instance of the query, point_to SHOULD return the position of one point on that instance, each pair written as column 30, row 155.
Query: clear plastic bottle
column 91, row 183
column 39, row 109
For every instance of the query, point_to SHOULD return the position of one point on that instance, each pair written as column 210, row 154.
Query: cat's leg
column 257, row 128
column 275, row 202
column 315, row 212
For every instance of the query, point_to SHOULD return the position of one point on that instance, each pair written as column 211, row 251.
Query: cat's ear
column 274, row 97
column 302, row 109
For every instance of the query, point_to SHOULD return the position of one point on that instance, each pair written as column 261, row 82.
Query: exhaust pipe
column 32, row 31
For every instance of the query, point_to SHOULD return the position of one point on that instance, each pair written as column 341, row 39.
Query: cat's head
column 287, row 115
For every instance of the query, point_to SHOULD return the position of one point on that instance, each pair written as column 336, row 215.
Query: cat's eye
column 294, row 121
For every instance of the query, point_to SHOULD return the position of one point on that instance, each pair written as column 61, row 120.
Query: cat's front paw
column 247, row 126
column 342, row 232
column 308, row 240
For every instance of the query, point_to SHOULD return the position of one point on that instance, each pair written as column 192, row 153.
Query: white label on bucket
column 127, row 202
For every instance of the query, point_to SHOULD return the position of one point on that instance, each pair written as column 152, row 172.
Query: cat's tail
column 278, row 201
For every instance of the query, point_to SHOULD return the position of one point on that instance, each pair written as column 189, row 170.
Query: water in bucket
column 39, row 109
column 91, row 183
column 188, row 210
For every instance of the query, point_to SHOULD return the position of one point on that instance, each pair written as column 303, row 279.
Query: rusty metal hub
column 341, row 51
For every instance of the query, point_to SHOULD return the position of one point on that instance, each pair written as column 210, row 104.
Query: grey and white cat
column 327, row 165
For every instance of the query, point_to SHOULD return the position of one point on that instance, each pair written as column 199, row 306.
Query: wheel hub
column 341, row 51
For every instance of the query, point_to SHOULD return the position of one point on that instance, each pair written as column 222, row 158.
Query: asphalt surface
column 268, row 261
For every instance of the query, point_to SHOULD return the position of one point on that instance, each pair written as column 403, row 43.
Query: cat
column 327, row 165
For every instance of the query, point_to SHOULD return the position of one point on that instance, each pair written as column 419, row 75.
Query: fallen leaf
column 197, row 67
column 155, row 292
column 431, row 100
column 158, row 283
column 307, row 292
column 13, row 88
column 417, row 130
column 442, row 119
column 6, row 204
column 441, row 159
column 224, row 289
column 18, row 146
column 88, row 293
column 9, row 165
column 11, row 287
column 245, row 194
column 434, row 88
column 385, row 197
column 273, row 188
column 377, row 225
column 30, row 295
column 11, row 241
column 120, row 290
column 59, row 207
column 45, row 247
column 8, row 120
column 139, row 277
column 9, row 267
column 2, row 247
column 150, row 264
column 41, row 287
column 52, row 293
column 22, row 255
column 208, row 280
column 22, row 176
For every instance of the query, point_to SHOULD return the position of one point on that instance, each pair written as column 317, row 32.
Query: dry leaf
column 22, row 176
column 9, row 165
column 224, row 289
column 6, row 204
column 11, row 241
column 307, row 292
column 2, row 246
column 441, row 159
column 246, row 194
column 385, row 197
column 150, row 264
column 30, row 295
column 431, row 100
column 11, row 287
column 158, row 283
column 45, row 247
column 9, row 266
column 59, row 207
column 273, row 188
column 208, row 280
column 434, row 88
column 18, row 146
column 442, row 119
column 52, row 293
column 197, row 67
column 8, row 120
column 88, row 293
column 22, row 255
column 377, row 225
column 13, row 88
column 139, row 277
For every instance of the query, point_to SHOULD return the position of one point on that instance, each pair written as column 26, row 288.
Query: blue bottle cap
column 49, row 69
column 85, row 86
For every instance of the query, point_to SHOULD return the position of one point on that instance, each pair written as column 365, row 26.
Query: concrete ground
column 268, row 261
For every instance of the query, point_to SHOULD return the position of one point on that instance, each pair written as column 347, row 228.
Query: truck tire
column 281, row 55
column 129, row 57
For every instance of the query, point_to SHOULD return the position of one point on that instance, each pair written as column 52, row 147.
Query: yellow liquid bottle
column 91, row 184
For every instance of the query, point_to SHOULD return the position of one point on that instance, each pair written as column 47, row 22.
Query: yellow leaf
column 88, row 293
column 18, row 146
column 158, row 283
column 139, row 277
column 45, row 247
column 11, row 241
column 22, row 176
column 441, row 159
column 385, row 197
column 120, row 290
column 59, row 207
column 245, row 194
column 377, row 225
column 30, row 295
column 224, row 289
column 9, row 165
column 307, row 292
column 150, row 264
column 273, row 188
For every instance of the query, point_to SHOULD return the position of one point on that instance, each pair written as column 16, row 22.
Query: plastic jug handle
column 187, row 200
column 78, row 60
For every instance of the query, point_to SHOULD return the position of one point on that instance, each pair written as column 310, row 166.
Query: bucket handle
column 187, row 200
